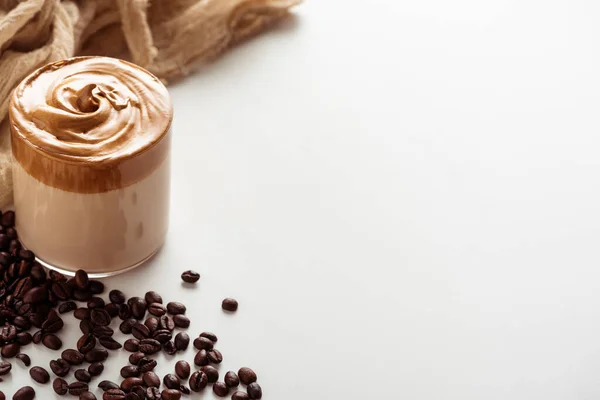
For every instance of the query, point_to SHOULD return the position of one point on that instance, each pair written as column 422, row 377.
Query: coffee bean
column 215, row 356
column 169, row 348
column 175, row 308
column 96, row 355
column 132, row 345
column 113, row 394
column 127, row 325
column 87, row 396
column 136, row 357
column 102, row 331
column 8, row 333
column 166, row 322
column 190, row 276
column 36, row 295
column 5, row 367
column 96, row 287
column 203, row 343
column 201, row 358
column 130, row 383
column 53, row 322
column 112, row 309
column 96, row 368
column 24, row 359
column 86, row 343
column 153, row 393
column 162, row 335
column 171, row 381
column 24, row 338
column 182, row 369
column 157, row 309
column 138, row 308
column 247, row 376
column 151, row 379
column 83, row 375
column 254, row 391
column 129, row 370
column 100, row 317
column 153, row 297
column 116, row 296
column 10, row 350
column 72, row 356
column 170, row 394
column 230, row 305
column 134, row 396
column 231, row 379
column 82, row 313
column 67, row 307
column 25, row 393
column 124, row 311
column 140, row 331
column 198, row 381
column 110, row 343
column 85, row 326
column 107, row 385
column 152, row 324
column 81, row 295
column 181, row 321
column 95, row 302
column 8, row 219
column 149, row 346
column 182, row 341
column 240, row 396
column 23, row 323
column 81, row 279
column 184, row 390
column 211, row 372
column 220, row 389
column 60, row 386
column 60, row 367
column 39, row 374
column 146, row 364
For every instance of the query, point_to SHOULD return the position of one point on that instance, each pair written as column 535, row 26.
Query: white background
column 404, row 197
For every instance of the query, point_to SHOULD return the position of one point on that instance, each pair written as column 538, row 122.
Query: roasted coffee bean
column 96, row 302
column 246, row 375
column 6, row 259
column 132, row 345
column 25, row 393
column 86, row 343
column 96, row 368
column 112, row 309
column 149, row 346
column 23, row 323
column 124, row 311
column 24, row 338
column 130, row 383
column 129, row 370
column 198, row 381
column 8, row 219
column 60, row 386
column 182, row 369
column 151, row 379
column 169, row 348
column 203, row 343
column 231, row 379
column 39, row 374
column 96, row 355
column 254, row 391
column 127, row 325
column 85, row 326
column 60, row 367
column 170, row 394
column 181, row 321
column 67, row 307
column 146, row 364
column 82, row 313
column 135, row 358
column 162, row 335
column 152, row 324
column 53, row 322
column 72, row 356
column 153, row 393
column 110, row 343
column 8, row 333
column 24, row 359
column 229, row 304
column 185, row 390
column 140, row 331
column 102, row 331
column 133, row 395
column 87, row 396
column 138, row 308
column 96, row 287
column 182, row 341
column 116, row 296
column 61, row 290
column 220, row 389
column 240, row 396
column 113, row 394
column 107, row 385
column 201, row 358
column 171, row 381
column 23, row 286
column 166, row 322
column 211, row 372
column 153, row 297
column 5, row 367
column 175, row 308
column 10, row 350
column 215, row 356
column 81, row 279
column 36, row 295
column 81, row 295
column 190, row 276
column 100, row 317
column 83, row 375
column 157, row 309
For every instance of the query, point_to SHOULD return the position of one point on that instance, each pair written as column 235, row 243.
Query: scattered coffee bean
column 181, row 321
column 67, row 307
column 25, row 393
column 215, row 356
column 83, row 375
column 153, row 393
column 184, row 390
column 170, row 394
column 112, row 309
column 110, row 343
column 140, row 331
column 60, row 386
column 162, row 335
column 116, row 296
column 254, row 391
column 39, row 374
column 201, row 358
column 129, row 370
column 198, row 381
column 157, row 309
column 124, row 311
column 81, row 279
column 211, row 372
column 146, row 364
column 95, row 302
column 10, row 350
column 60, row 367
column 96, row 368
column 127, row 325
column 220, row 389
column 190, row 276
column 240, row 396
column 96, row 355
column 138, row 308
column 24, row 338
column 153, row 297
column 169, row 348
column 132, row 345
column 182, row 369
column 151, row 379
column 96, row 287
column 5, row 367
column 24, row 359
column 85, row 326
column 86, row 343
column 113, row 394
column 87, row 396
column 175, row 308
column 202, row 343
column 102, row 331
column 130, row 383
column 247, row 376
column 149, row 346
column 37, row 337
column 182, row 341
column 82, row 313
column 100, row 317
column 107, row 385
column 166, row 322
column 135, row 358
column 231, row 379
column 152, row 323
column 72, row 356
column 230, row 304
column 171, row 381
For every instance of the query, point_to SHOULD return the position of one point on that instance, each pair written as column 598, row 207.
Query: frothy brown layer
column 90, row 124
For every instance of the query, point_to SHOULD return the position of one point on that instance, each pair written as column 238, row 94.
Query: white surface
column 404, row 197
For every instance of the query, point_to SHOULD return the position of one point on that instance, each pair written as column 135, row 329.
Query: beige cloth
column 167, row 37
